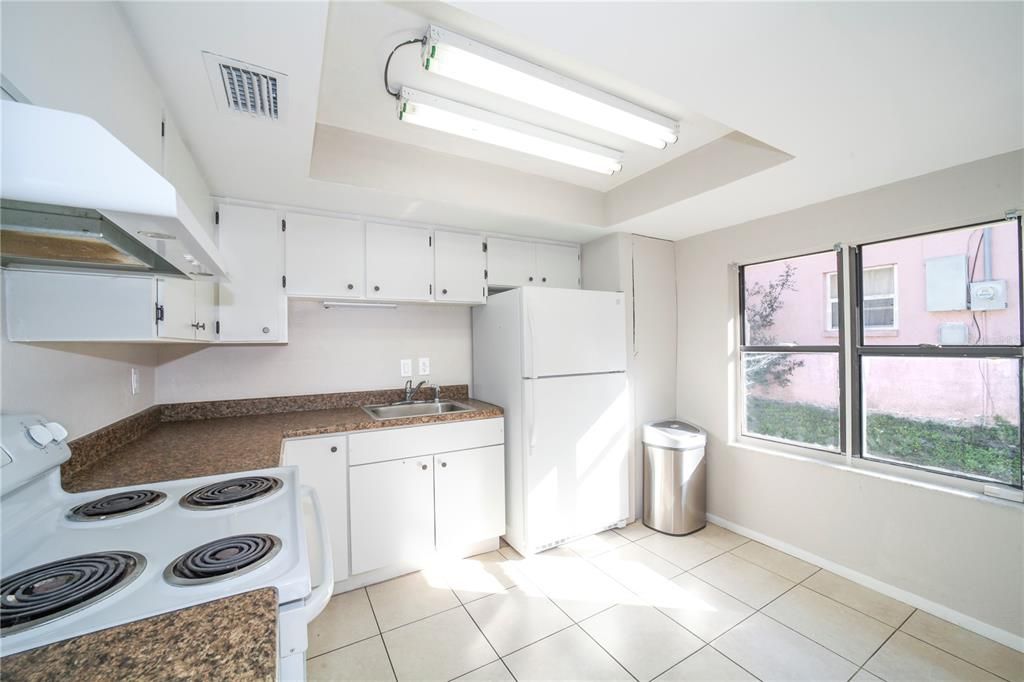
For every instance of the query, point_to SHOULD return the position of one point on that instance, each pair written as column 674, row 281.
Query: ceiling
column 781, row 106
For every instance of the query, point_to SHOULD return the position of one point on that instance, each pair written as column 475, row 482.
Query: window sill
column 860, row 467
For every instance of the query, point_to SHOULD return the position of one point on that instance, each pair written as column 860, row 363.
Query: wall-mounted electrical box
column 946, row 283
column 990, row 295
column 954, row 334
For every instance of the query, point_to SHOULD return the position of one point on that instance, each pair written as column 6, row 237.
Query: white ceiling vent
column 246, row 89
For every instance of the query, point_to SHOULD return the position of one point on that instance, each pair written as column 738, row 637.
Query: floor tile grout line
column 936, row 646
column 381, row 634
column 811, row 639
column 726, row 656
column 489, row 643
column 550, row 634
column 863, row 613
column 343, row 646
column 703, row 646
column 781, row 575
column 610, row 655
column 875, row 652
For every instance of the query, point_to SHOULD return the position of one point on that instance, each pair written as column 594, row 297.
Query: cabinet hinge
column 485, row 273
column 216, row 327
column 163, row 129
column 485, row 247
column 430, row 289
column 284, row 281
column 216, row 217
column 159, row 313
column 430, row 240
column 284, row 225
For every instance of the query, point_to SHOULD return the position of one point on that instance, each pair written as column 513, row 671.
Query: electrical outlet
column 424, row 367
column 135, row 380
column 407, row 367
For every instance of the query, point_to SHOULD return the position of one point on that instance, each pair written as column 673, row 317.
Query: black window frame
column 861, row 350
column 853, row 349
column 839, row 349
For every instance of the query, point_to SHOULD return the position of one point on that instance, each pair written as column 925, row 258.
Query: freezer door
column 570, row 331
column 576, row 431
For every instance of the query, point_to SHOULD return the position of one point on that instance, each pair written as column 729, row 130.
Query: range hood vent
column 245, row 89
column 74, row 196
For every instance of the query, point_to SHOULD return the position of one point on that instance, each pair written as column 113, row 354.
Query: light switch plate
column 407, row 367
column 424, row 367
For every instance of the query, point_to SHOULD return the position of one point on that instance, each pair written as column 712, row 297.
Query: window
column 935, row 351
column 791, row 371
column 880, row 309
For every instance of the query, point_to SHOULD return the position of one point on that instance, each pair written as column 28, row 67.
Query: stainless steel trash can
column 675, row 477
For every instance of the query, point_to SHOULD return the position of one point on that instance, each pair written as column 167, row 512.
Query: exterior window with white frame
column 881, row 310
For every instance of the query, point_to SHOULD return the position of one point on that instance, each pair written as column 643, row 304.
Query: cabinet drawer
column 415, row 441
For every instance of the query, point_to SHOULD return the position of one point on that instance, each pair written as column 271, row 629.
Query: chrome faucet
column 410, row 391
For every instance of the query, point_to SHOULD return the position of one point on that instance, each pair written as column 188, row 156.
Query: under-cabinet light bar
column 468, row 61
column 348, row 304
column 445, row 115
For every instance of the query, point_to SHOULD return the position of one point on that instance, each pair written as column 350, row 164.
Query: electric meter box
column 990, row 295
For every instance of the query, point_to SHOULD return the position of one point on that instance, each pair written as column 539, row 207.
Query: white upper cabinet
column 510, row 263
column 399, row 263
column 514, row 263
column 558, row 266
column 175, row 308
column 206, row 311
column 459, row 263
column 253, row 305
column 324, row 256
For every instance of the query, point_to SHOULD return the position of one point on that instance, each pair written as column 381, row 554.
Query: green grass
column 986, row 451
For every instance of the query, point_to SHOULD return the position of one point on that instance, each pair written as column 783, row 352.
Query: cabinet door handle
column 334, row 448
column 266, row 330
column 444, row 464
column 444, row 291
column 543, row 279
column 351, row 287
column 531, row 278
column 376, row 288
column 423, row 466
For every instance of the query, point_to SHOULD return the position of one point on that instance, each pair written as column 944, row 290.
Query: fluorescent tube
column 468, row 61
column 438, row 113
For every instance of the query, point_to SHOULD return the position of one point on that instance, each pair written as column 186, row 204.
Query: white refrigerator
column 555, row 360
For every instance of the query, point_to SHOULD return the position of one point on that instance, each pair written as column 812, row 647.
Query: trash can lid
column 673, row 433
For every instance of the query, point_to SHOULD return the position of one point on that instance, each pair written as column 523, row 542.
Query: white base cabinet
column 392, row 506
column 395, row 498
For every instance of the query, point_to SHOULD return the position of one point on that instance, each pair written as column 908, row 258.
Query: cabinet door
column 176, row 301
column 206, row 311
column 459, row 262
column 392, row 512
column 469, row 496
column 324, row 256
column 253, row 305
column 322, row 465
column 399, row 263
column 558, row 266
column 510, row 263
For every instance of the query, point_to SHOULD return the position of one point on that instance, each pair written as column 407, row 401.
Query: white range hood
column 68, row 161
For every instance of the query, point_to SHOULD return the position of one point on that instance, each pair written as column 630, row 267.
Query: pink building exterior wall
column 961, row 390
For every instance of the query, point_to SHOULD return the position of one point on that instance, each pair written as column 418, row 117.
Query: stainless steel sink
column 402, row 410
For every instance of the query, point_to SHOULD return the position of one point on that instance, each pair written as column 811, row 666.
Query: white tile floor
column 635, row 605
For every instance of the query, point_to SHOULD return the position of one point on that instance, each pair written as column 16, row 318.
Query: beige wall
column 964, row 553
column 328, row 351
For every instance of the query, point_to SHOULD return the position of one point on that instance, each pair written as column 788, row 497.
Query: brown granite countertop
column 205, row 447
column 228, row 639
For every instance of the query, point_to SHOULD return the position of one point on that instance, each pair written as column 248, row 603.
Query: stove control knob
column 58, row 432
column 40, row 435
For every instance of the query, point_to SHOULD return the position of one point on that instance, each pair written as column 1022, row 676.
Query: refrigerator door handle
column 532, row 404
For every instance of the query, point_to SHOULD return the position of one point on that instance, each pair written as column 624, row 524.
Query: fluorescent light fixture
column 347, row 304
column 466, row 60
column 438, row 113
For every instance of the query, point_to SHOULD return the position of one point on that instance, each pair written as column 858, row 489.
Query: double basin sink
column 415, row 409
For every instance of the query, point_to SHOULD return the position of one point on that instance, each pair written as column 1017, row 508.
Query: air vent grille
column 249, row 91
column 246, row 89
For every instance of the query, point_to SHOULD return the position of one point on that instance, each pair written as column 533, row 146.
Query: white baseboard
column 963, row 620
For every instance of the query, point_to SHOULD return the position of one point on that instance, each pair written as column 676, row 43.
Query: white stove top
column 36, row 531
